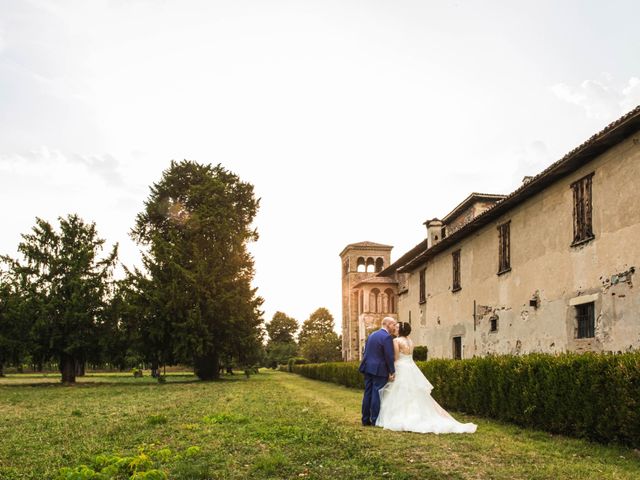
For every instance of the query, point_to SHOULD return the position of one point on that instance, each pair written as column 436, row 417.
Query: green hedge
column 593, row 396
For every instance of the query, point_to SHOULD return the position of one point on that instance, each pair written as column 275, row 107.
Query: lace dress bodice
column 405, row 346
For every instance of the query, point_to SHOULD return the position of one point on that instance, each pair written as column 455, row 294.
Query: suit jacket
column 378, row 354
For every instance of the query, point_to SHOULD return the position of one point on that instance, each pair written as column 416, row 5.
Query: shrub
column 296, row 361
column 146, row 465
column 420, row 353
column 593, row 396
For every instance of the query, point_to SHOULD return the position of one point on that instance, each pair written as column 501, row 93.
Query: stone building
column 547, row 268
column 366, row 297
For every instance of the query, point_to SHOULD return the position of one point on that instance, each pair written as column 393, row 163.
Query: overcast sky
column 354, row 120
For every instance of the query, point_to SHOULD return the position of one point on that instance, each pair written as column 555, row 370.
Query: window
column 493, row 322
column 456, row 271
column 423, row 287
column 457, row 348
column 504, row 247
column 371, row 266
column 374, row 301
column 582, row 210
column 586, row 320
column 391, row 301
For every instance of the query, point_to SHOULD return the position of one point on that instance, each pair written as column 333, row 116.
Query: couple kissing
column 397, row 395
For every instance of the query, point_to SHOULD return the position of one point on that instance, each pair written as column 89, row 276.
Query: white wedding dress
column 407, row 405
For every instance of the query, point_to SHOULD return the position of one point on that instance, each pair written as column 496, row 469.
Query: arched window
column 392, row 300
column 370, row 265
column 379, row 264
column 360, row 265
column 385, row 302
column 374, row 298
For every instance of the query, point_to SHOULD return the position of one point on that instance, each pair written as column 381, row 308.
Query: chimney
column 434, row 231
column 527, row 179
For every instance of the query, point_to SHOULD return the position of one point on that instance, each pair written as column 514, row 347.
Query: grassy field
column 272, row 425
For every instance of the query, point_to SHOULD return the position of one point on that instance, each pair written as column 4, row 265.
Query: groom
column 377, row 367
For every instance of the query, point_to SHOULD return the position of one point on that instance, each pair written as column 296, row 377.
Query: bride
column 406, row 402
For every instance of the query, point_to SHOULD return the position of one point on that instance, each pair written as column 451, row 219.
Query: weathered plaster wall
column 543, row 265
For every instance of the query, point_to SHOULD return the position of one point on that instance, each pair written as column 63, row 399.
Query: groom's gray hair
column 387, row 320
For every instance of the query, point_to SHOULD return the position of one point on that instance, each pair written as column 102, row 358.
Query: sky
column 354, row 120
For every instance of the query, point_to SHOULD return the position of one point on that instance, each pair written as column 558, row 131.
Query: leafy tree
column 318, row 341
column 65, row 289
column 282, row 343
column 195, row 227
column 282, row 328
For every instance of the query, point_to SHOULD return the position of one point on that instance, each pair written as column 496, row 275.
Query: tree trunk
column 67, row 368
column 155, row 369
column 1, row 369
column 207, row 367
column 80, row 366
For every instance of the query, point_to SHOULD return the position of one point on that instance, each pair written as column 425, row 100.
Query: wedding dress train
column 407, row 405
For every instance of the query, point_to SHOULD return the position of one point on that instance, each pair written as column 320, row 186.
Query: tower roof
column 366, row 246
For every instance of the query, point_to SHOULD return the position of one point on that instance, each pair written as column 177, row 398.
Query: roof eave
column 612, row 135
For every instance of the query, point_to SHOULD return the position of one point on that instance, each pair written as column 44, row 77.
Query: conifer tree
column 65, row 289
column 195, row 228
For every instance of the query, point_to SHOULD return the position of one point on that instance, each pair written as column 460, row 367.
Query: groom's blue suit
column 377, row 365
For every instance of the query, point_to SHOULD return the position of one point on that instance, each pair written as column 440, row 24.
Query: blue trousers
column 371, row 398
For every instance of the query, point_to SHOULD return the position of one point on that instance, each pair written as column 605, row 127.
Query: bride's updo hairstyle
column 405, row 329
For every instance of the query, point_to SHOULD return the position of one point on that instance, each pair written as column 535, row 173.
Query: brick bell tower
column 365, row 295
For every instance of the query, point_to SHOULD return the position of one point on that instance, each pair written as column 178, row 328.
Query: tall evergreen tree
column 14, row 330
column 318, row 341
column 195, row 228
column 65, row 288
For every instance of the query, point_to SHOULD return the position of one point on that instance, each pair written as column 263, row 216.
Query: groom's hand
column 392, row 377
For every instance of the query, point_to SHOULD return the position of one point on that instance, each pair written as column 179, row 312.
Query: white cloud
column 631, row 94
column 57, row 166
column 603, row 99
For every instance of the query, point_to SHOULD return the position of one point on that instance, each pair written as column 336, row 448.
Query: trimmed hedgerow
column 593, row 396
column 296, row 361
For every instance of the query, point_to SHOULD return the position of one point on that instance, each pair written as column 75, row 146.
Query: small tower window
column 370, row 265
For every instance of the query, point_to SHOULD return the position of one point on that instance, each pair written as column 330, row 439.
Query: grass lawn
column 273, row 425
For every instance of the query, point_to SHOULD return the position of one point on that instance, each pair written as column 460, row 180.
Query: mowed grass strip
column 272, row 425
column 246, row 428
